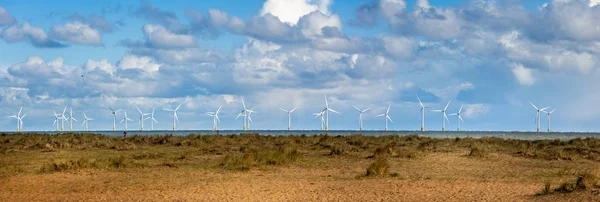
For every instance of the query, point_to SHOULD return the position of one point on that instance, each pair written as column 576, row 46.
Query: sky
column 490, row 57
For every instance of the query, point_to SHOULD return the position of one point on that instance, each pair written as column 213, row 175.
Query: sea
column 434, row 134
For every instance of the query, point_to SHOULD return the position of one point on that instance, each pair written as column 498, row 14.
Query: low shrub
column 378, row 168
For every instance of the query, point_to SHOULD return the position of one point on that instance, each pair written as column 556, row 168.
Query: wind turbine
column 243, row 113
column 320, row 114
column 175, row 118
column 216, row 120
column 250, row 118
column 141, row 121
column 549, row 113
column 64, row 118
column 360, row 122
column 459, row 119
column 85, row 121
column 444, row 116
column 289, row 113
column 71, row 119
column 19, row 118
column 327, row 110
column 422, row 114
column 56, row 119
column 152, row 120
column 537, row 115
column 387, row 117
column 114, row 113
column 125, row 119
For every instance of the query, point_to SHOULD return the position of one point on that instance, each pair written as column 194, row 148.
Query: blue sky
column 491, row 57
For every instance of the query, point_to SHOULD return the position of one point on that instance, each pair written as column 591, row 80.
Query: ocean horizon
column 522, row 135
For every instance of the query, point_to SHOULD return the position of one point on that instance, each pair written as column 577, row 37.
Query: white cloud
column 475, row 110
column 160, row 37
column 523, row 75
column 103, row 65
column 25, row 32
column 136, row 62
column 77, row 32
column 5, row 17
column 290, row 11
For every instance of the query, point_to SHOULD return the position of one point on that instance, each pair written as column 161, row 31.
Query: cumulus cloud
column 160, row 37
column 94, row 21
column 5, row 17
column 290, row 11
column 475, row 110
column 144, row 63
column 523, row 74
column 76, row 32
column 25, row 32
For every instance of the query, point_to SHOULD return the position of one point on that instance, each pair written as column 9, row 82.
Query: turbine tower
column 71, row 119
column 175, row 118
column 141, row 121
column 289, row 113
column 537, row 115
column 459, row 119
column 422, row 114
column 387, row 117
column 114, row 113
column 549, row 113
column 125, row 119
column 21, row 121
column 152, row 120
column 360, row 122
column 216, row 120
column 444, row 116
column 85, row 121
column 327, row 110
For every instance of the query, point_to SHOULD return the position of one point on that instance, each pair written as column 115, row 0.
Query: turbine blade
column 388, row 110
column 243, row 103
column 446, row 118
column 24, row 115
column 293, row 109
column 460, row 117
column 139, row 110
column 356, row 108
column 250, row 118
column 284, row 110
column 218, row 120
column 533, row 105
column 366, row 110
column 218, row 110
column 542, row 109
column 447, row 105
column 326, row 104
column 154, row 120
column 111, row 109
column 380, row 115
column 178, row 106
column 333, row 111
column 388, row 117
column 460, row 110
column 176, row 118
column 551, row 111
column 436, row 110
column 420, row 101
column 74, row 119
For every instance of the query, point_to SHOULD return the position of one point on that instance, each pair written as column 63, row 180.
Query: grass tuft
column 378, row 168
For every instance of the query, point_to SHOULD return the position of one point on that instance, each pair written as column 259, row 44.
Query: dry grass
column 522, row 166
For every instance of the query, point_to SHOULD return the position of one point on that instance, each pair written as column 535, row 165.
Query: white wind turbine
column 422, row 114
column 549, row 113
column 215, row 116
column 141, row 121
column 71, row 119
column 360, row 122
column 327, row 110
column 537, row 115
column 152, row 120
column 243, row 113
column 387, row 117
column 320, row 114
column 114, row 113
column 444, row 116
column 85, row 121
column 289, row 113
column 19, row 119
column 459, row 119
column 250, row 111
column 56, row 119
column 63, row 118
column 125, row 119
column 175, row 118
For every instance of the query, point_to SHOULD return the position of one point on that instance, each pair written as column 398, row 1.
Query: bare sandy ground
column 436, row 177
